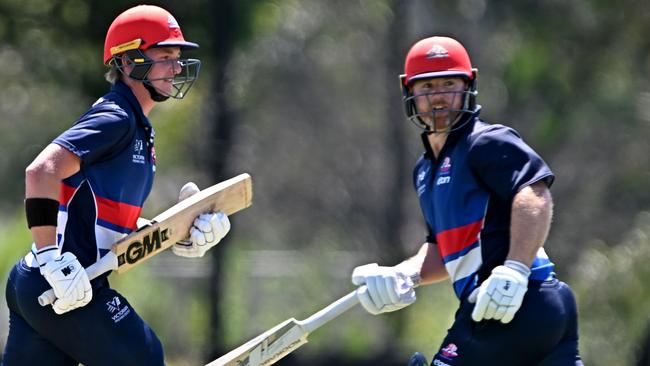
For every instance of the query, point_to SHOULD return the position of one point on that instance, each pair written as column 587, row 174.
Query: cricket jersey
column 466, row 197
column 98, row 205
column 102, row 201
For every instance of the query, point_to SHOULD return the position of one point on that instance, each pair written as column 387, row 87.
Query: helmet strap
column 155, row 95
column 141, row 66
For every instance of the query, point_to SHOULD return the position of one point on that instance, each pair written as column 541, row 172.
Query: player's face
column 438, row 100
column 166, row 65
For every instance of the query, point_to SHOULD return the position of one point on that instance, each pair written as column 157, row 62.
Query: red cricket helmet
column 436, row 57
column 143, row 27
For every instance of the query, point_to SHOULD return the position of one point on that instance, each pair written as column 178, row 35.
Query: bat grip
column 339, row 307
column 331, row 311
column 107, row 263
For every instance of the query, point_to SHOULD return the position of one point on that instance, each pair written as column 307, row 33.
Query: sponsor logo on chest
column 444, row 172
column 138, row 150
column 420, row 182
column 450, row 351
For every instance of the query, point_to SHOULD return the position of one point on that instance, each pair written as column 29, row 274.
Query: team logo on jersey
column 421, row 176
column 446, row 165
column 153, row 158
column 419, row 183
column 450, row 351
column 138, row 148
column 113, row 305
column 116, row 310
column 437, row 51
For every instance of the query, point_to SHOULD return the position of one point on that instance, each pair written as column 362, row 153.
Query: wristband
column 41, row 211
column 518, row 266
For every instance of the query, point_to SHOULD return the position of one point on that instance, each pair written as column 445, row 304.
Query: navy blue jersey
column 102, row 202
column 98, row 205
column 466, row 197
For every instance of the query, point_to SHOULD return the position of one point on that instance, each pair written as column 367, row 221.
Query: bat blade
column 174, row 223
column 169, row 227
column 277, row 342
column 267, row 348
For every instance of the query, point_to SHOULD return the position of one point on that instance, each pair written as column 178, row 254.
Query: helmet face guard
column 182, row 81
column 426, row 119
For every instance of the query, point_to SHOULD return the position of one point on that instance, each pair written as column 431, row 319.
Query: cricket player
column 484, row 194
column 85, row 191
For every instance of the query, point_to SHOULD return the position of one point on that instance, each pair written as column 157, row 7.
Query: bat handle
column 331, row 311
column 107, row 263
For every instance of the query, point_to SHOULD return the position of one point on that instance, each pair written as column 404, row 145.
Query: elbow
column 33, row 173
column 37, row 173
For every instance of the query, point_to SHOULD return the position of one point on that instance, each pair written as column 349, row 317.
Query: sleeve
column 505, row 163
column 98, row 133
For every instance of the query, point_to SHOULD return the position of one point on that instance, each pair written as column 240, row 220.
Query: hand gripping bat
column 169, row 227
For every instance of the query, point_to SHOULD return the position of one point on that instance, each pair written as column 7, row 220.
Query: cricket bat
column 277, row 342
column 169, row 227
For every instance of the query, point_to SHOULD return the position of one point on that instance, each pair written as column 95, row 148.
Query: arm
column 427, row 263
column 392, row 288
column 500, row 296
column 61, row 270
column 43, row 180
column 532, row 211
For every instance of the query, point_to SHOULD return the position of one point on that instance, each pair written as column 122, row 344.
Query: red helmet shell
column 437, row 57
column 151, row 25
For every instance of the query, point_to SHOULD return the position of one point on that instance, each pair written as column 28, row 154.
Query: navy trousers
column 107, row 331
column 544, row 332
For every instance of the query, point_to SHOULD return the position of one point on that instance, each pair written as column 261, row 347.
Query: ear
column 127, row 60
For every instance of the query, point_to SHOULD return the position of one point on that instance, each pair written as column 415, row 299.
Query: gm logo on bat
column 139, row 250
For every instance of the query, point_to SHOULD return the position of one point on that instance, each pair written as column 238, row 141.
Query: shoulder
column 497, row 144
column 484, row 133
column 108, row 111
column 421, row 160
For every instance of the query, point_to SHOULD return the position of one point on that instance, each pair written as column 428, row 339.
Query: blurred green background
column 304, row 96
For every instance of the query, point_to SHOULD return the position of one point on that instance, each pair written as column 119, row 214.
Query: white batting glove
column 500, row 295
column 207, row 231
column 387, row 288
column 67, row 278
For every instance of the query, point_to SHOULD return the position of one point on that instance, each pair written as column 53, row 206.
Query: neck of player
column 141, row 94
column 437, row 141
